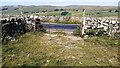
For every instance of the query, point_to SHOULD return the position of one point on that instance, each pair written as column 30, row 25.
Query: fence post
column 83, row 24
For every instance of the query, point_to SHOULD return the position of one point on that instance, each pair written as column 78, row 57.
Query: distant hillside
column 32, row 8
column 89, row 7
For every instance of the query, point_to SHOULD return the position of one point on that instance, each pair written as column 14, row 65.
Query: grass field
column 79, row 14
column 59, row 49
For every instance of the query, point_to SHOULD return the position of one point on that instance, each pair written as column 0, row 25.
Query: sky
column 60, row 2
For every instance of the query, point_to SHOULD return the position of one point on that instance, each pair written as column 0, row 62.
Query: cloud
column 59, row 0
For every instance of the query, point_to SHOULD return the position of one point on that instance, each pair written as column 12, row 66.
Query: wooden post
column 21, row 13
column 83, row 24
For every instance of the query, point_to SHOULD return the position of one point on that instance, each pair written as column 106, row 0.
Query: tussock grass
column 107, row 41
column 38, row 49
